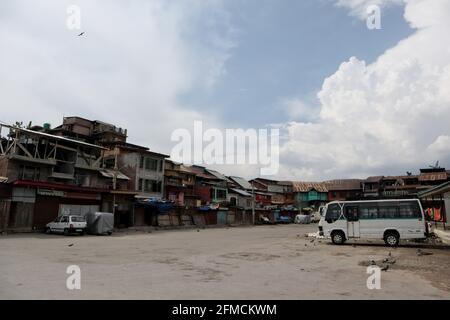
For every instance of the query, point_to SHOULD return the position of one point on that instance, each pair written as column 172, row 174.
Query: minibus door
column 352, row 215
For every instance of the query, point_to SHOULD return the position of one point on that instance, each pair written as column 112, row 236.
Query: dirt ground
column 264, row 262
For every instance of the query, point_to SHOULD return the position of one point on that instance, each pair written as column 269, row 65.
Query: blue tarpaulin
column 161, row 205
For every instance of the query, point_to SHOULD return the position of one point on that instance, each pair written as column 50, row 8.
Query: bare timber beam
column 24, row 150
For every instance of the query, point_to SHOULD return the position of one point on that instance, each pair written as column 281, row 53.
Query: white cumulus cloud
column 386, row 117
column 129, row 68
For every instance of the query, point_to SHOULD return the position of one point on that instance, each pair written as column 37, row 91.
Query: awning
column 436, row 190
column 56, row 186
column 108, row 173
column 3, row 179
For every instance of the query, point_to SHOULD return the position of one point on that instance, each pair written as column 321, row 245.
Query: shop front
column 436, row 204
column 34, row 204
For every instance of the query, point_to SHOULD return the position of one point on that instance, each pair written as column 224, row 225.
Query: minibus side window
column 333, row 213
column 368, row 212
column 387, row 211
column 409, row 210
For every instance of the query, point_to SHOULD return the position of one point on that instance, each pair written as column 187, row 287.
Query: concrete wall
column 128, row 163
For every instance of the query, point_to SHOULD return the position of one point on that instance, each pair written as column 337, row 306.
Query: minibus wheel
column 338, row 237
column 391, row 238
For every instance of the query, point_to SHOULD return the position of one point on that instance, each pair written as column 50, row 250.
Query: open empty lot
column 264, row 262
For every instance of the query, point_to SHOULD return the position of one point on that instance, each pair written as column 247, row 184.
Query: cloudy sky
column 350, row 102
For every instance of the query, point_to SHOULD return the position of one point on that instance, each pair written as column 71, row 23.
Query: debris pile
column 383, row 264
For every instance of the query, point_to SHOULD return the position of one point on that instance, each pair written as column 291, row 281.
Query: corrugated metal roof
column 401, row 177
column 241, row 192
column 374, row 179
column 343, row 184
column 217, row 174
column 242, row 182
column 198, row 171
column 51, row 136
column 299, row 186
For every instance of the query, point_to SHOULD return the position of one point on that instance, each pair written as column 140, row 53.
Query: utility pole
column 115, row 179
column 253, row 203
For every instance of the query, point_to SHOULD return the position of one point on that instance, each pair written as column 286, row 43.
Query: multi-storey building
column 48, row 175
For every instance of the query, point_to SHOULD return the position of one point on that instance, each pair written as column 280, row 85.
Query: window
column 146, row 185
column 387, row 211
column 221, row 194
column 390, row 210
column 409, row 210
column 140, row 185
column 152, row 186
column 151, row 164
column 77, row 219
column 156, row 186
column 333, row 212
column 141, row 162
column 110, row 163
column 65, row 219
column 29, row 173
column 367, row 211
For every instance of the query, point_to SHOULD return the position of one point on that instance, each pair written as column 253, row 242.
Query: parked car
column 67, row 224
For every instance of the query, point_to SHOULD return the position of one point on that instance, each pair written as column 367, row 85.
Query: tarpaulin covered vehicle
column 100, row 223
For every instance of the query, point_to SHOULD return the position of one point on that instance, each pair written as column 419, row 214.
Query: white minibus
column 390, row 220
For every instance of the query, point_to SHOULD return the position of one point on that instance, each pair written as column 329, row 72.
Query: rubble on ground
column 383, row 264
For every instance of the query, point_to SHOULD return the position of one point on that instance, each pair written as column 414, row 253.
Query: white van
column 390, row 220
